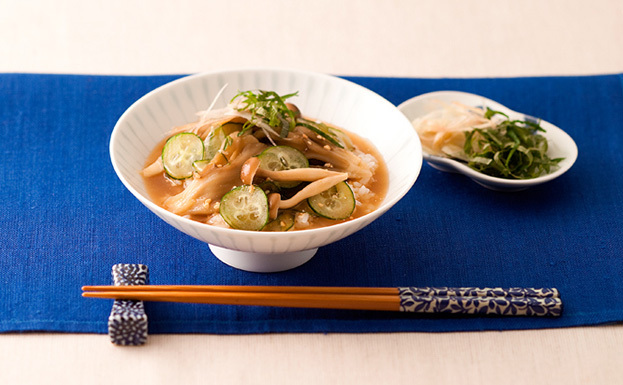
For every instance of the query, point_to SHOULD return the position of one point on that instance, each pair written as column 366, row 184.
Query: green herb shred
column 269, row 108
column 511, row 150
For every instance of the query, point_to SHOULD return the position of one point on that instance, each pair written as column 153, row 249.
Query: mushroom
column 305, row 174
column 248, row 170
column 295, row 109
column 312, row 189
column 274, row 201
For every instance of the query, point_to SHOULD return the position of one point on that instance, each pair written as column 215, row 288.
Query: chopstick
column 482, row 301
column 248, row 289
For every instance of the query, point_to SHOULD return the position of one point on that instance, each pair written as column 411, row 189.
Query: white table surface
column 458, row 38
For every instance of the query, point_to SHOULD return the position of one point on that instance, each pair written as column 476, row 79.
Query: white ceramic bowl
column 321, row 96
column 560, row 144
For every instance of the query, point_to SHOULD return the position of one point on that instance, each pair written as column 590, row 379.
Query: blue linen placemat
column 66, row 219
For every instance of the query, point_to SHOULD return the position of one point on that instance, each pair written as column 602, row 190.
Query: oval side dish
column 496, row 147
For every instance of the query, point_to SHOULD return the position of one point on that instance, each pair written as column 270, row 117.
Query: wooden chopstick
column 249, row 289
column 514, row 301
column 325, row 301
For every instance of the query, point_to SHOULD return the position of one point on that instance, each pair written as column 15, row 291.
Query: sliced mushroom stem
column 312, row 189
column 153, row 169
column 248, row 170
column 300, row 174
column 295, row 109
column 274, row 201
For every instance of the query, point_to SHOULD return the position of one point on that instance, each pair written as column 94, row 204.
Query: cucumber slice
column 322, row 130
column 214, row 141
column 278, row 158
column 179, row 153
column 245, row 208
column 283, row 222
column 344, row 139
column 269, row 187
column 338, row 202
column 200, row 165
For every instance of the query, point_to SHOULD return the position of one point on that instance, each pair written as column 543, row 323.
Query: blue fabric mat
column 66, row 219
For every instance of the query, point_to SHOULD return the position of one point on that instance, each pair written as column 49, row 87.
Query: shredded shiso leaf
column 488, row 141
column 269, row 108
column 513, row 149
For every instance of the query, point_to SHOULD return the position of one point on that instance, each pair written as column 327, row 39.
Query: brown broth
column 159, row 187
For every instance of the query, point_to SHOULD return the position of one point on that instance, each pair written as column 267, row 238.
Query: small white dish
column 561, row 145
column 321, row 96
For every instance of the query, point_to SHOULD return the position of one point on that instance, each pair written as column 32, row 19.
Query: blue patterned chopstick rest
column 127, row 323
column 544, row 302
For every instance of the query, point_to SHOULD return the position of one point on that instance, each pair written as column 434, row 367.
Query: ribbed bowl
column 321, row 96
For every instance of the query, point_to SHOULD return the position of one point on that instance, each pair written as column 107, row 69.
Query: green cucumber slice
column 179, row 153
column 338, row 202
column 283, row 222
column 278, row 158
column 200, row 165
column 214, row 141
column 245, row 208
column 322, row 130
column 269, row 187
column 344, row 139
